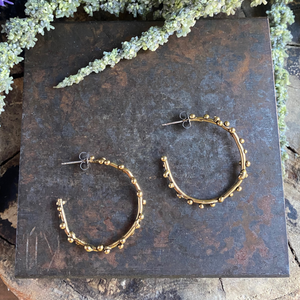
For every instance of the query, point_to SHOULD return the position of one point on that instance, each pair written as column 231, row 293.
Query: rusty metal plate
column 223, row 68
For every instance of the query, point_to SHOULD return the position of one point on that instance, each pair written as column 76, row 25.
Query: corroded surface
column 222, row 68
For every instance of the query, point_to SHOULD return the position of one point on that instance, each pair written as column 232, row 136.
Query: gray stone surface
column 229, row 289
column 295, row 27
column 292, row 204
column 265, row 288
column 293, row 107
column 292, row 180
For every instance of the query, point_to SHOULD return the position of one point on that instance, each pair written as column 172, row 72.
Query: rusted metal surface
column 222, row 68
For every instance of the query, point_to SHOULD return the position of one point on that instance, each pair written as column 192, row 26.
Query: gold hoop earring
column 186, row 123
column 85, row 161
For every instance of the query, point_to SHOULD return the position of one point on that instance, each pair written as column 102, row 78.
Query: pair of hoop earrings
column 86, row 160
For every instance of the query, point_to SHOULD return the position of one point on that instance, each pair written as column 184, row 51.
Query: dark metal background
column 223, row 68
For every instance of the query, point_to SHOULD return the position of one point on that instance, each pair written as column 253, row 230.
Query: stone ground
column 92, row 289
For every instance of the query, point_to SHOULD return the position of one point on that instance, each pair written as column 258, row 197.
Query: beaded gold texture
column 243, row 163
column 120, row 242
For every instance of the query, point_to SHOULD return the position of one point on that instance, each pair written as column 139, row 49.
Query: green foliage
column 20, row 34
column 8, row 58
column 280, row 16
column 179, row 16
column 258, row 2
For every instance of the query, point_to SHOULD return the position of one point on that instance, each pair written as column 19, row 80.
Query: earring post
column 176, row 122
column 73, row 162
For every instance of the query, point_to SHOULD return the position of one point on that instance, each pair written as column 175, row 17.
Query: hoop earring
column 85, row 161
column 186, row 123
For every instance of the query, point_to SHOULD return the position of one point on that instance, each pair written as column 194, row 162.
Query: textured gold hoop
column 244, row 163
column 120, row 242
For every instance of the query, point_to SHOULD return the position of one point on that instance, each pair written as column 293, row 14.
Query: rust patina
column 223, row 68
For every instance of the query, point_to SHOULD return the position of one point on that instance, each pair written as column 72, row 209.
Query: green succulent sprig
column 178, row 19
column 280, row 16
